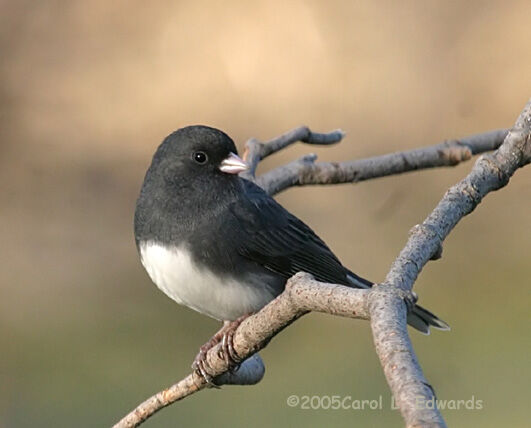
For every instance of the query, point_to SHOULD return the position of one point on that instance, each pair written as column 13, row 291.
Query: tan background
column 88, row 90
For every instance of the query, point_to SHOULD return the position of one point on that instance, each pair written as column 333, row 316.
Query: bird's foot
column 200, row 364
column 227, row 352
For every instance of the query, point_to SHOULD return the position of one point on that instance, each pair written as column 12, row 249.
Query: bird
column 219, row 244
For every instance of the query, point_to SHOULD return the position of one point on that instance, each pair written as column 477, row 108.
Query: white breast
column 175, row 273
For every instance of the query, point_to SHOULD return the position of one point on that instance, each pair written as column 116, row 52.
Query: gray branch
column 302, row 295
column 386, row 304
column 255, row 150
column 388, row 315
column 305, row 171
column 397, row 357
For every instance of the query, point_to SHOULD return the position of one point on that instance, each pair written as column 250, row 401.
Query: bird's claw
column 200, row 365
column 227, row 352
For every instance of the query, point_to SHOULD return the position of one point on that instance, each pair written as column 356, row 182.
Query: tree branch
column 255, row 151
column 491, row 172
column 384, row 303
column 397, row 357
column 302, row 295
column 388, row 314
column 305, row 171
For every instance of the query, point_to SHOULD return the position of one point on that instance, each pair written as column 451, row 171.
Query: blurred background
column 89, row 89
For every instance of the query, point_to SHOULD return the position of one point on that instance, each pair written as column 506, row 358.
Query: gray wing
column 279, row 241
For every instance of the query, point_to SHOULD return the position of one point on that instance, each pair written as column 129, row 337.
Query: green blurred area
column 89, row 89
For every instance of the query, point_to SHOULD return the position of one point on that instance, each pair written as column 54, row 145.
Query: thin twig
column 255, row 151
column 449, row 153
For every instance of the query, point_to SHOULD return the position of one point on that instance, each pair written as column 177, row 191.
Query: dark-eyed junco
column 218, row 243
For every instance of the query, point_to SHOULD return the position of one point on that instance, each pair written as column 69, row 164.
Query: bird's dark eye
column 200, row 157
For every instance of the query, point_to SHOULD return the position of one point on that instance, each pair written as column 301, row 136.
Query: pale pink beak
column 233, row 164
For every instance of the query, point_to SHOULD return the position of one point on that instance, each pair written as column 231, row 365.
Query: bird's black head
column 194, row 167
column 196, row 153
